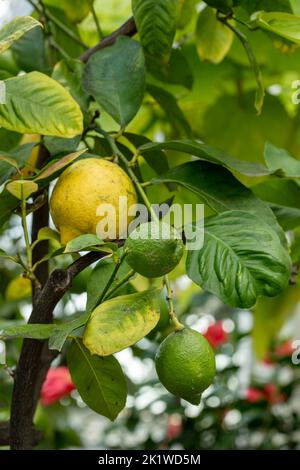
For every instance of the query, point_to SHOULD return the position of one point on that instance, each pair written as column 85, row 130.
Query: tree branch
column 35, row 357
column 127, row 29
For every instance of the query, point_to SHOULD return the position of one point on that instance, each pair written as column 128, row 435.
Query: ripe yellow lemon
column 80, row 191
column 19, row 288
column 154, row 249
column 185, row 364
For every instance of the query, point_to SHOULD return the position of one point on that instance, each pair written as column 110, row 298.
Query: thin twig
column 127, row 29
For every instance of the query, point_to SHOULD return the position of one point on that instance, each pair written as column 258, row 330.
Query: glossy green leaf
column 61, row 332
column 29, row 51
column 285, row 25
column 47, row 233
column 279, row 160
column 241, row 259
column 115, row 77
column 213, row 39
column 33, row 331
column 156, row 23
column 218, row 188
column 12, row 31
column 22, row 188
column 210, row 154
column 37, row 104
column 99, row 380
column 121, row 322
column 83, row 243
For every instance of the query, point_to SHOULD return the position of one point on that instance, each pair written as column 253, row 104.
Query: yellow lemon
column 82, row 190
column 18, row 289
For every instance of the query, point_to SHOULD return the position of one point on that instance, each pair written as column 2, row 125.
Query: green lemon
column 154, row 249
column 185, row 364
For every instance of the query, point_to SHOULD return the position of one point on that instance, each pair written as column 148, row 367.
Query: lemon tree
column 92, row 114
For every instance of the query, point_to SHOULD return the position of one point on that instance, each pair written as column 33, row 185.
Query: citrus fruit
column 154, row 249
column 79, row 192
column 19, row 288
column 185, row 364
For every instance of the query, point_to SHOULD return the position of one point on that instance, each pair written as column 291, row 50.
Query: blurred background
column 254, row 402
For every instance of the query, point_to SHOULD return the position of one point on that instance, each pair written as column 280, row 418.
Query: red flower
column 216, row 335
column 254, row 395
column 284, row 350
column 273, row 395
column 174, row 427
column 57, row 384
column 269, row 393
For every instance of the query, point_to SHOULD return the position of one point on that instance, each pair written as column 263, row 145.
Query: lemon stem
column 120, row 284
column 25, row 230
column 113, row 275
column 173, row 319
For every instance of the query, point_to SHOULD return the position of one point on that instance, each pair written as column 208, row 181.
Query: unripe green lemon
column 185, row 364
column 154, row 249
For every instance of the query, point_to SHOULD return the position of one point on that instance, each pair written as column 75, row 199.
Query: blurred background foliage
column 253, row 403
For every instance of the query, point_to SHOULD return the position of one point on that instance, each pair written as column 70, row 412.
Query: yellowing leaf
column 37, row 104
column 22, row 188
column 212, row 37
column 59, row 165
column 12, row 31
column 121, row 322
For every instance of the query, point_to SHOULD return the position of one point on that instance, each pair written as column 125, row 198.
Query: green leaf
column 177, row 71
column 186, row 11
column 218, row 188
column 29, row 51
column 83, row 243
column 242, row 258
column 283, row 195
column 12, row 31
column 266, row 5
column 63, row 331
column 22, row 188
column 32, row 331
column 58, row 145
column 68, row 74
column 52, row 170
column 279, row 160
column 8, row 203
column 11, row 161
column 37, row 104
column 47, row 233
column 269, row 317
column 121, row 322
column 282, row 24
column 115, row 77
column 77, row 10
column 213, row 39
column 99, row 279
column 156, row 23
column 99, row 380
column 210, row 154
column 224, row 6
column 170, row 106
